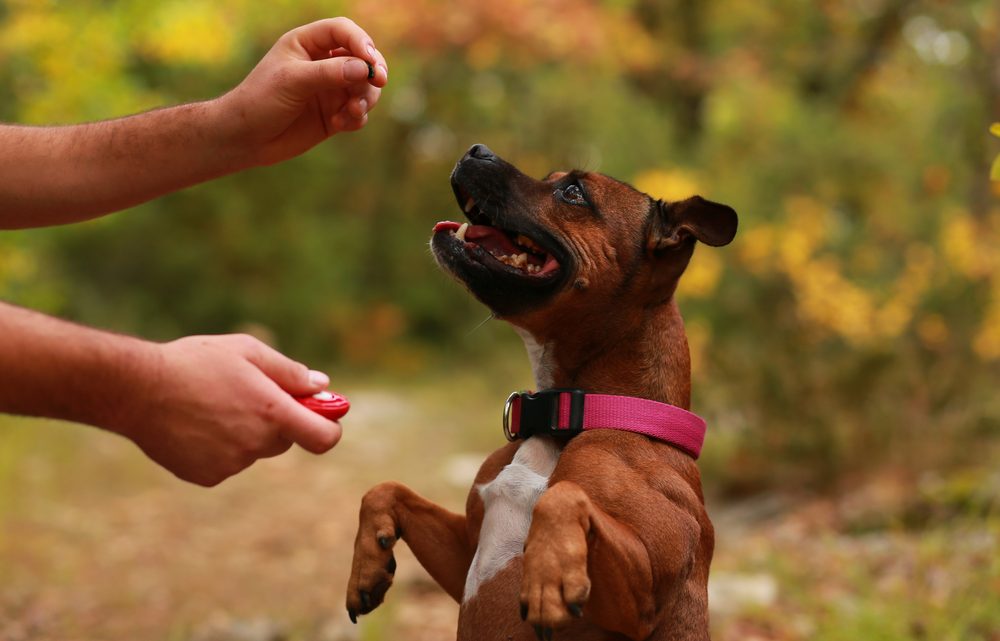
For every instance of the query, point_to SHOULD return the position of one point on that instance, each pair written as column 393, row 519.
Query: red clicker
column 327, row 404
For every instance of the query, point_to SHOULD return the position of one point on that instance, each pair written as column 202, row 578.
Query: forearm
column 55, row 175
column 52, row 368
column 317, row 80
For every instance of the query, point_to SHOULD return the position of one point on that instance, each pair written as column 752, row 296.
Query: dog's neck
column 643, row 354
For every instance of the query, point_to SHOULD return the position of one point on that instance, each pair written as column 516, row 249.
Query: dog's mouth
column 502, row 249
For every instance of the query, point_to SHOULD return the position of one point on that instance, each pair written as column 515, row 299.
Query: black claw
column 524, row 611
column 575, row 609
column 538, row 633
column 366, row 600
column 391, row 565
column 384, row 542
column 351, row 612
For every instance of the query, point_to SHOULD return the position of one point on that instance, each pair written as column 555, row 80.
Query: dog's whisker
column 483, row 322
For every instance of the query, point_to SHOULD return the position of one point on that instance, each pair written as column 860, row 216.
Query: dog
column 590, row 524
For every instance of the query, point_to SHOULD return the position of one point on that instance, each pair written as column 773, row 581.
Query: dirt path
column 96, row 544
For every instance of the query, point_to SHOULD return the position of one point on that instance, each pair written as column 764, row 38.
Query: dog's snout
column 481, row 152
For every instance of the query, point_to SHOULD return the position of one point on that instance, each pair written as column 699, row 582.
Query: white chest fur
column 540, row 355
column 508, row 501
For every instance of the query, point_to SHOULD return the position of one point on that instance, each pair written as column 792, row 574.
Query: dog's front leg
column 580, row 561
column 438, row 538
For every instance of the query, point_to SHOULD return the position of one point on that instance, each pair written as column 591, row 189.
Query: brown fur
column 621, row 530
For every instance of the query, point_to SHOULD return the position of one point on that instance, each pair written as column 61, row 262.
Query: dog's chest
column 508, row 501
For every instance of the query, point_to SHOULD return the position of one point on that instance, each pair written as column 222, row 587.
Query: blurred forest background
column 846, row 346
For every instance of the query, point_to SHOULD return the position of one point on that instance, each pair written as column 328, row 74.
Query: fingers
column 298, row 424
column 328, row 34
column 311, row 431
column 291, row 376
column 279, row 445
column 362, row 103
column 356, row 109
column 381, row 71
column 333, row 73
column 352, row 114
column 347, row 72
column 343, row 121
column 322, row 38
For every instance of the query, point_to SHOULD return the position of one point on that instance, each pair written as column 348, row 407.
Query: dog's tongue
column 489, row 238
column 497, row 243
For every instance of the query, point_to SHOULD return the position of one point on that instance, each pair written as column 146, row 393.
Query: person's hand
column 219, row 403
column 312, row 84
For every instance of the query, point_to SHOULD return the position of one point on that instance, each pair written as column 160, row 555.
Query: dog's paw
column 555, row 586
column 374, row 565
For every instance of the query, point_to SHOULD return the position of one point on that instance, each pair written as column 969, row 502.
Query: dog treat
column 371, row 70
column 326, row 404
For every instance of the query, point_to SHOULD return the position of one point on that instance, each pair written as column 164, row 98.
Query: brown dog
column 603, row 535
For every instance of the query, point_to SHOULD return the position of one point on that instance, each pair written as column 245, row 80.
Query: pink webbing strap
column 661, row 421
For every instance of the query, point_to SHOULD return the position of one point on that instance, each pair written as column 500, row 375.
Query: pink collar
column 571, row 411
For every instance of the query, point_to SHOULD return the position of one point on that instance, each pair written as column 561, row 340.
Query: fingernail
column 372, row 52
column 319, row 379
column 385, row 71
column 364, row 105
column 355, row 70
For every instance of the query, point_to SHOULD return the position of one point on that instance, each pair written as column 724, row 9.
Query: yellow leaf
column 995, row 169
column 995, row 129
column 668, row 184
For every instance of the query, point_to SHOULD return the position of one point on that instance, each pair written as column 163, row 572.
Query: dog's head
column 572, row 243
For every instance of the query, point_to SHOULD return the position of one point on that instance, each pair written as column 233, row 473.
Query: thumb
column 331, row 73
column 291, row 376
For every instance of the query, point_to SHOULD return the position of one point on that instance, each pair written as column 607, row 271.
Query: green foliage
column 855, row 320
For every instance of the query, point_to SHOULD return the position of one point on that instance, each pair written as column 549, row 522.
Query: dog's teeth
column 521, row 259
column 460, row 234
column 524, row 241
column 469, row 204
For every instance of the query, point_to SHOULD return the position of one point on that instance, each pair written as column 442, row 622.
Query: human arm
column 204, row 407
column 311, row 85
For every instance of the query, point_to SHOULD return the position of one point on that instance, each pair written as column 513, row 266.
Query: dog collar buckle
column 554, row 411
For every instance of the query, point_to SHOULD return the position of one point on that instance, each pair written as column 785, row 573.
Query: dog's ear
column 674, row 222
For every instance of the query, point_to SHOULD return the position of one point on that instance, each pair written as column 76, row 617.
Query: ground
column 97, row 543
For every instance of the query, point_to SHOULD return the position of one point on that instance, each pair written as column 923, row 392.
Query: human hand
column 312, row 84
column 219, row 403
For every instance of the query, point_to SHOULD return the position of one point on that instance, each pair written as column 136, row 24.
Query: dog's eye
column 573, row 194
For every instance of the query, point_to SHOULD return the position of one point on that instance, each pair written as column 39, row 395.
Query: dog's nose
column 480, row 152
